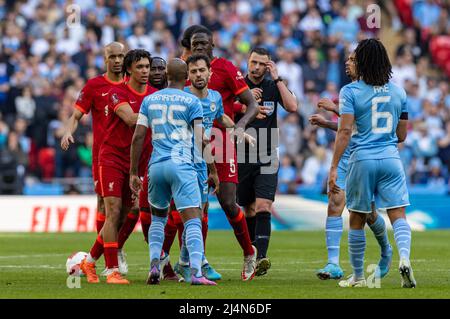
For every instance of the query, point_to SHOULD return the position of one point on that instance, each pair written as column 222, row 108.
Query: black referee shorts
column 254, row 184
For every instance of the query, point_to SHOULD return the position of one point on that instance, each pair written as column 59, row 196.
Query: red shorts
column 225, row 158
column 143, row 194
column 115, row 183
column 95, row 174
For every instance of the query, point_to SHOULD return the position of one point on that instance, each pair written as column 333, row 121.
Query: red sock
column 127, row 228
column 170, row 231
column 97, row 249
column 204, row 228
column 111, row 259
column 239, row 225
column 100, row 221
column 146, row 220
column 179, row 225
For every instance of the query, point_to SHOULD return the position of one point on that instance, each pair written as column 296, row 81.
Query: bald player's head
column 114, row 55
column 177, row 70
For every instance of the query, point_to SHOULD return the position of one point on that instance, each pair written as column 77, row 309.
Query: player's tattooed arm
column 343, row 136
column 328, row 105
column 319, row 120
column 71, row 127
column 136, row 150
column 126, row 113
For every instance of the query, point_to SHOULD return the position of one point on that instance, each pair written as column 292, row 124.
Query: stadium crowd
column 50, row 48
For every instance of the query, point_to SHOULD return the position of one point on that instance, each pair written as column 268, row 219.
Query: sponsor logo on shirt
column 80, row 96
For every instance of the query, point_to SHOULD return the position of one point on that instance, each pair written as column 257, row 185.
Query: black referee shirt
column 266, row 129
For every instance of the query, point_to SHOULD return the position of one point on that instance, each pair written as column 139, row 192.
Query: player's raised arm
column 70, row 128
column 290, row 103
column 319, row 120
column 328, row 105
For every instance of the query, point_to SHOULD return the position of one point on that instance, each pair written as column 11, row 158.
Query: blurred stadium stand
column 44, row 64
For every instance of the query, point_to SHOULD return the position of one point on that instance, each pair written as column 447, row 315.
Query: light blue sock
column 380, row 232
column 194, row 243
column 356, row 249
column 156, row 236
column 184, row 253
column 333, row 231
column 402, row 235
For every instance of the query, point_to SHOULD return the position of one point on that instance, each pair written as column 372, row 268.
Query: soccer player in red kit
column 94, row 98
column 230, row 83
column 114, row 163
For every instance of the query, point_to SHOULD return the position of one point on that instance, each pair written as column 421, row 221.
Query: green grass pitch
column 33, row 266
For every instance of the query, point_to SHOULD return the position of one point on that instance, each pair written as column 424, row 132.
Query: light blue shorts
column 168, row 180
column 341, row 173
column 381, row 179
column 202, row 176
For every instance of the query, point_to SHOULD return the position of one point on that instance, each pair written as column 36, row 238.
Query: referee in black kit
column 258, row 165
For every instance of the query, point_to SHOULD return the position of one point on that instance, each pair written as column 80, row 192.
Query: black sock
column 251, row 224
column 262, row 233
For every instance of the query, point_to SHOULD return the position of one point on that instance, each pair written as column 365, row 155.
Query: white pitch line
column 33, row 256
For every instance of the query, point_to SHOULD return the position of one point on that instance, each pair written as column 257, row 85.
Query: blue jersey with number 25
column 169, row 113
column 377, row 111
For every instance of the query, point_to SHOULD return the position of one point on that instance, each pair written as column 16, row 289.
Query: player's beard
column 200, row 87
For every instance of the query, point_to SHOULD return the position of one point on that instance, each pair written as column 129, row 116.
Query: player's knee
column 265, row 206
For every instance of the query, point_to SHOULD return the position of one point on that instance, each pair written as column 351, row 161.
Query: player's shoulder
column 396, row 89
column 223, row 64
column 214, row 95
column 349, row 88
column 96, row 81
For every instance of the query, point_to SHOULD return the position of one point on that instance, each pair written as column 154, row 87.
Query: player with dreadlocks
column 374, row 115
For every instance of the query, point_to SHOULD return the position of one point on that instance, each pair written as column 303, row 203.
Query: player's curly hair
column 134, row 56
column 190, row 31
column 372, row 62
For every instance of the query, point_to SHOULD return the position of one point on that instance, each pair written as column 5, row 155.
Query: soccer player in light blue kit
column 175, row 117
column 374, row 115
column 199, row 73
column 336, row 201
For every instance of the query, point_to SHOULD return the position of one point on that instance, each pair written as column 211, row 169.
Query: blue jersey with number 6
column 169, row 113
column 377, row 111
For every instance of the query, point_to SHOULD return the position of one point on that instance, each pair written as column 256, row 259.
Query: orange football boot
column 89, row 271
column 116, row 278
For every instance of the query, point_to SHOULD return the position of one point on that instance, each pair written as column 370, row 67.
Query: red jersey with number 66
column 115, row 150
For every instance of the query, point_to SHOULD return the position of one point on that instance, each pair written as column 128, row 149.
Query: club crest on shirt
column 213, row 106
column 114, row 99
column 270, row 105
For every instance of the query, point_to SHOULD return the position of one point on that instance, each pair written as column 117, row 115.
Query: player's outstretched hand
column 250, row 139
column 327, row 105
column 135, row 184
column 317, row 119
column 332, row 187
column 66, row 140
column 213, row 180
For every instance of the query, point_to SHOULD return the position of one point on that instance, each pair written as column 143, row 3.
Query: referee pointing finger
column 258, row 164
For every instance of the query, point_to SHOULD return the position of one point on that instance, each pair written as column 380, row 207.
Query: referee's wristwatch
column 279, row 79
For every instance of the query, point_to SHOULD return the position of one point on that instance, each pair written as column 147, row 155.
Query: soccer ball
column 73, row 263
